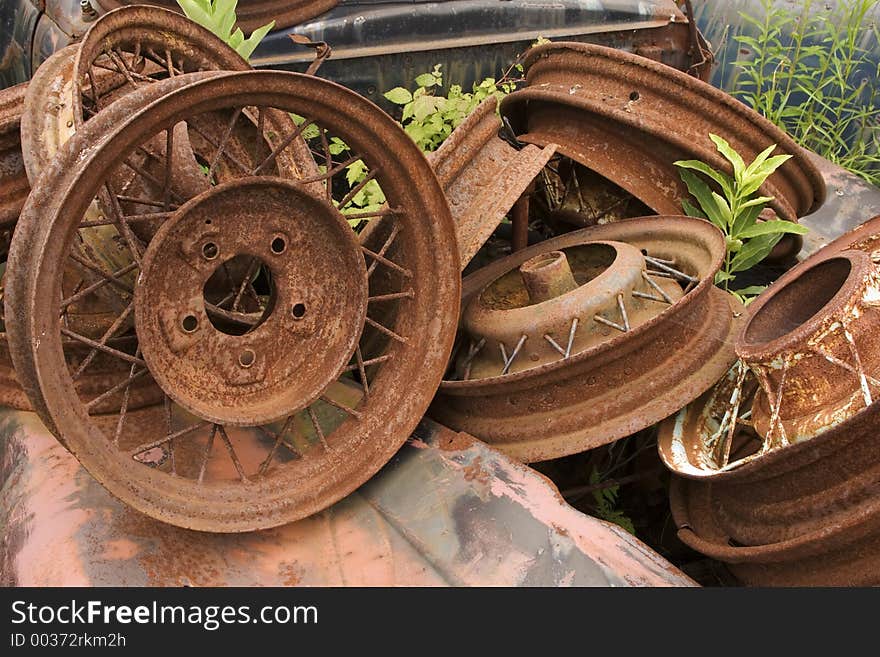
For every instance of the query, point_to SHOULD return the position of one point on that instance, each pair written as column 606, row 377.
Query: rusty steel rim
column 122, row 51
column 800, row 503
column 252, row 13
column 830, row 354
column 483, row 176
column 541, row 397
column 593, row 100
column 230, row 477
column 14, row 185
column 842, row 550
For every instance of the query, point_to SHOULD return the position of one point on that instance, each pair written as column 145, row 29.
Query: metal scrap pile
column 190, row 312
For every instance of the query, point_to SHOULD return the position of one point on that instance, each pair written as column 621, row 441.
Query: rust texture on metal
column 629, row 118
column 589, row 337
column 807, row 365
column 213, row 293
column 251, row 13
column 429, row 518
column 14, row 185
column 779, row 464
column 124, row 50
column 483, row 176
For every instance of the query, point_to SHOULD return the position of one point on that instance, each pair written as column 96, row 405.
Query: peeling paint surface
column 448, row 510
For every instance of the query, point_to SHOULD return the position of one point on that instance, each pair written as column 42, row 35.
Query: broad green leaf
column 744, row 219
column 754, row 251
column 722, row 179
column 758, row 201
column 355, row 172
column 700, row 191
column 751, row 291
column 773, row 227
column 692, row 211
column 196, row 13
column 723, row 208
column 224, row 17
column 399, row 96
column 426, row 80
column 758, row 161
column 250, row 44
column 730, row 155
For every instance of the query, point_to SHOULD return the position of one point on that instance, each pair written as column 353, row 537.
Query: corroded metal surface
column 782, row 473
column 14, row 185
column 807, row 365
column 252, row 13
column 483, row 175
column 122, row 51
column 189, row 470
column 429, row 518
column 629, row 118
column 637, row 338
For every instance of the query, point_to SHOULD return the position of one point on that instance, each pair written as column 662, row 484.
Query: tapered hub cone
column 589, row 337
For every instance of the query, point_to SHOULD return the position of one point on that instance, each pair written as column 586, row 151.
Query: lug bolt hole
column 190, row 323
column 247, row 357
column 279, row 245
column 298, row 311
column 210, row 250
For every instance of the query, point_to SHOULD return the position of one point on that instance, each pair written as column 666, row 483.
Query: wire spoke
column 317, row 426
column 112, row 279
column 146, row 447
column 209, row 445
column 356, row 189
column 279, row 439
column 102, row 347
column 222, row 430
column 382, row 251
column 116, row 388
column 122, row 226
column 385, row 261
column 387, row 331
column 223, row 140
column 109, row 333
column 341, row 407
column 409, row 294
column 123, row 408
column 229, row 156
column 281, row 146
column 372, row 361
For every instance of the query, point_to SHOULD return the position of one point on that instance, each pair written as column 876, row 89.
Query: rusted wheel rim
column 123, row 50
column 827, row 350
column 624, row 382
column 627, row 93
column 254, row 13
column 233, row 478
column 14, row 185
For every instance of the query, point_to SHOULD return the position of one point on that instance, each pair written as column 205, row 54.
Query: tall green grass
column 808, row 72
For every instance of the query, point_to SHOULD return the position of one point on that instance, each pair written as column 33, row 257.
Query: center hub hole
column 240, row 295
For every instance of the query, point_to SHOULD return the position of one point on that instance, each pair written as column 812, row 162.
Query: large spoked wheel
column 295, row 354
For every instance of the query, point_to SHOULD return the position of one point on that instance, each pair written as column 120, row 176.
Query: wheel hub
column 230, row 362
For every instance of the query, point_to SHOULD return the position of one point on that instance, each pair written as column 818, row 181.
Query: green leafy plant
column 429, row 117
column 808, row 72
column 219, row 17
column 606, row 500
column 735, row 210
